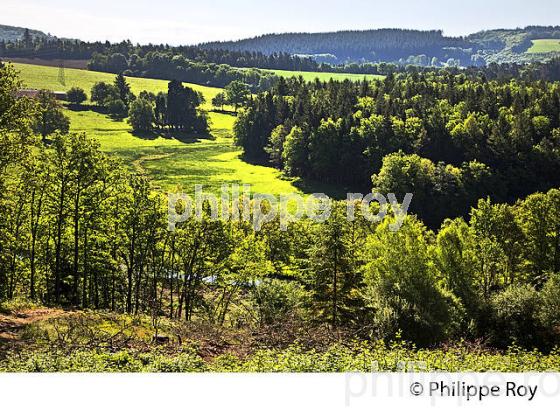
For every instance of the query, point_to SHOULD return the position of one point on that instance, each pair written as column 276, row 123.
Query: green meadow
column 311, row 76
column 174, row 162
column 43, row 77
column 181, row 162
column 545, row 45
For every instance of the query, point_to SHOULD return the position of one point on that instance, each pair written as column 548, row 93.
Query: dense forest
column 171, row 66
column 426, row 48
column 536, row 71
column 201, row 64
column 451, row 137
column 81, row 230
column 31, row 45
column 368, row 45
column 139, row 59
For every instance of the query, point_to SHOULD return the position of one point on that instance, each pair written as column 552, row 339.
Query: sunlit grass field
column 174, row 162
column 545, row 46
column 43, row 77
column 182, row 162
column 311, row 76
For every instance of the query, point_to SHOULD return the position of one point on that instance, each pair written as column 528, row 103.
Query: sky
column 190, row 22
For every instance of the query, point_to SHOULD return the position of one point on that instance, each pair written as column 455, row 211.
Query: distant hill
column 11, row 33
column 508, row 46
column 400, row 46
column 343, row 46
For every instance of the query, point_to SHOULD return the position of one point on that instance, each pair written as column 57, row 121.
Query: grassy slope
column 37, row 76
column 544, row 46
column 310, row 76
column 169, row 161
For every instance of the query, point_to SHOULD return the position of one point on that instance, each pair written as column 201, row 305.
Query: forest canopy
column 449, row 136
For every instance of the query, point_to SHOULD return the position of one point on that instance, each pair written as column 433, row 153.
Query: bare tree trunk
column 130, row 273
column 75, row 265
column 171, row 277
column 58, row 245
column 35, row 218
column 85, row 275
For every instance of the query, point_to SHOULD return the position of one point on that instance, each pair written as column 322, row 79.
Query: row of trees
column 235, row 93
column 168, row 65
column 114, row 98
column 461, row 137
column 176, row 110
column 79, row 229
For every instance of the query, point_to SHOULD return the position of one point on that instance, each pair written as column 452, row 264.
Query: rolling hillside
column 175, row 162
column 342, row 46
column 401, row 46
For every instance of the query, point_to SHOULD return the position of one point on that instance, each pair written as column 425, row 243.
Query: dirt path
column 12, row 324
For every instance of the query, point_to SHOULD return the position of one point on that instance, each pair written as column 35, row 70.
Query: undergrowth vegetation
column 90, row 341
column 357, row 357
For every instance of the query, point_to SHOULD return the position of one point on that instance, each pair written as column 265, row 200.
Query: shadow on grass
column 97, row 109
column 225, row 112
column 309, row 186
column 315, row 187
column 86, row 107
column 182, row 136
column 252, row 161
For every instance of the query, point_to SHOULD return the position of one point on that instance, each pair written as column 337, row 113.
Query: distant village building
column 32, row 93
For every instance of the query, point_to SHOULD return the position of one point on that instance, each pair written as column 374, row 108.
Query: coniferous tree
column 123, row 89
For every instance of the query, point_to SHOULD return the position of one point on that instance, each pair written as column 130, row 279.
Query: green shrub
column 17, row 305
column 76, row 95
column 116, row 108
column 402, row 290
column 376, row 356
column 549, row 312
column 514, row 316
column 276, row 300
column 141, row 115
